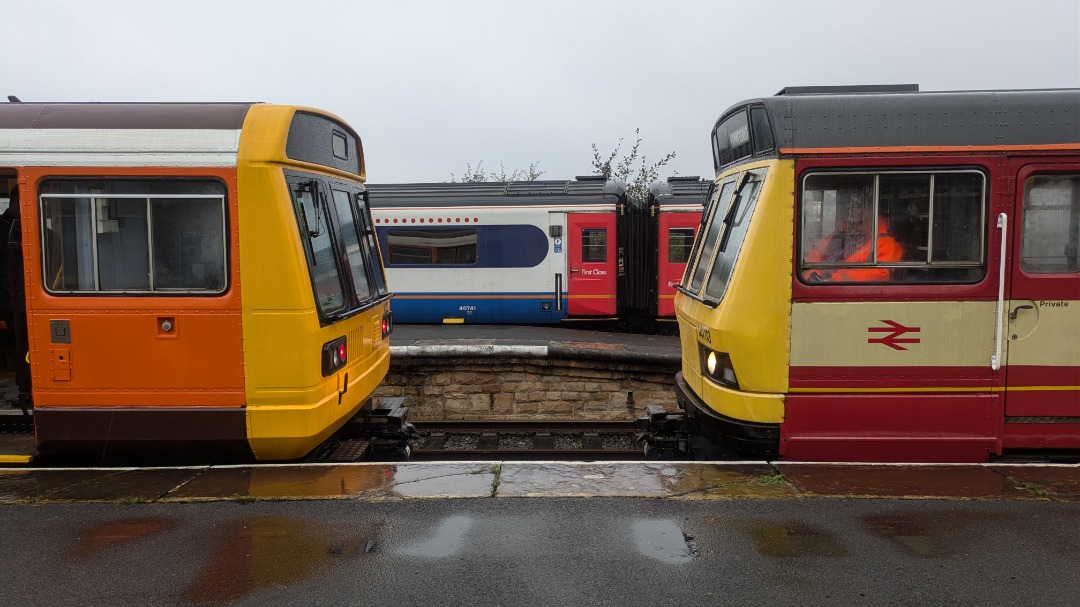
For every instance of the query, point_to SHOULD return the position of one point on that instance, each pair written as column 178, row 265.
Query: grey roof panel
column 226, row 116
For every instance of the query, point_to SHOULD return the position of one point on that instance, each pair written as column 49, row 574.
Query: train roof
column 496, row 193
column 213, row 116
column 680, row 191
column 171, row 134
column 817, row 119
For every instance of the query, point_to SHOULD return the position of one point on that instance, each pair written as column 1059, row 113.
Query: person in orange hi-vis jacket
column 851, row 243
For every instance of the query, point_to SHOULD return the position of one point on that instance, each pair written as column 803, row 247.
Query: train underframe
column 699, row 433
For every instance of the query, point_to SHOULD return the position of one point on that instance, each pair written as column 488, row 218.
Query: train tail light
column 387, row 324
column 334, row 355
column 717, row 367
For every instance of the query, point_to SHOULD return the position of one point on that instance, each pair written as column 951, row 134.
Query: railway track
column 525, row 440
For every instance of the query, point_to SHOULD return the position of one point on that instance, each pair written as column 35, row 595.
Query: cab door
column 591, row 284
column 1042, row 399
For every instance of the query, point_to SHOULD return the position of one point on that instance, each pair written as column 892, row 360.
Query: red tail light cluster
column 387, row 324
column 334, row 355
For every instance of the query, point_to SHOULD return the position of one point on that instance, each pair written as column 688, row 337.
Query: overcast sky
column 431, row 86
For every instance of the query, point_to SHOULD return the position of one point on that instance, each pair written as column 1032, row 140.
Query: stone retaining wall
column 452, row 388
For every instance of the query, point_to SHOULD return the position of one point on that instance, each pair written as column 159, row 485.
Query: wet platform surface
column 663, row 480
column 431, row 534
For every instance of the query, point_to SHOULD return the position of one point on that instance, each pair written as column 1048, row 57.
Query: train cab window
column 680, row 243
column 763, row 137
column 367, row 235
column 892, row 227
column 1051, row 236
column 594, row 245
column 133, row 236
column 733, row 227
column 731, row 139
column 314, row 219
column 350, row 237
column 707, row 238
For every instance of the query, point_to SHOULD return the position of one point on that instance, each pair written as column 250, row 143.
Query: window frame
column 150, row 291
column 736, row 208
column 802, row 266
column 326, row 186
column 1025, row 183
column 681, row 232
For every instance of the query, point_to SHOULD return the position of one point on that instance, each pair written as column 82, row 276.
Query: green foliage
column 1034, row 488
column 478, row 175
column 776, row 479
column 632, row 168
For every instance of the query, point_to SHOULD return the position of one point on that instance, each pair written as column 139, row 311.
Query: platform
column 507, row 479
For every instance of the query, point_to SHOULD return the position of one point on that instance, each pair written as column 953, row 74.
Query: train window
column 424, row 246
column 314, row 219
column 350, row 238
column 731, row 140
column 107, row 235
column 367, row 232
column 1051, row 237
column 763, row 137
column 707, row 238
column 594, row 245
column 680, row 243
column 914, row 227
column 735, row 223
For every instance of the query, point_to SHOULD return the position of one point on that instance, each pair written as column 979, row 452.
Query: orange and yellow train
column 196, row 281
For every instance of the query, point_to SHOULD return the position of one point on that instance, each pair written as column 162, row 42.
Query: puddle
column 664, row 541
column 794, row 539
column 271, row 552
column 448, row 539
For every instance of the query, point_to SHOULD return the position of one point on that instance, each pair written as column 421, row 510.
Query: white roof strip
column 119, row 147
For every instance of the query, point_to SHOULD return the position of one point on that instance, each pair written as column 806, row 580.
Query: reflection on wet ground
column 273, row 552
column 476, row 479
column 671, row 479
column 794, row 539
column 111, row 533
column 446, row 541
column 919, row 535
column 683, row 480
column 92, row 484
column 664, row 541
column 970, row 481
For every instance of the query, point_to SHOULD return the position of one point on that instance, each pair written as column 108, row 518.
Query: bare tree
column 632, row 168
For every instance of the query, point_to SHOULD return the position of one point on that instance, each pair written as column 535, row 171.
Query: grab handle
column 995, row 360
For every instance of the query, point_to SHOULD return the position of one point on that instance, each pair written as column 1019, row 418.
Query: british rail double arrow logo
column 893, row 339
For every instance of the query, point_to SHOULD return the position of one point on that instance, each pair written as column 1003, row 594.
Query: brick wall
column 523, row 388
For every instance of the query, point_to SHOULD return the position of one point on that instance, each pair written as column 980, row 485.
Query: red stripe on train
column 847, row 378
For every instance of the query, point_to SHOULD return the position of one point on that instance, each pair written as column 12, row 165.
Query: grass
column 1032, row 487
column 776, row 479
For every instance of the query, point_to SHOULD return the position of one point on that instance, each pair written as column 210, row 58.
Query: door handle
column 1012, row 315
column 574, row 270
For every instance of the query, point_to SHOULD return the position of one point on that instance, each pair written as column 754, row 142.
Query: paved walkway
column 667, row 480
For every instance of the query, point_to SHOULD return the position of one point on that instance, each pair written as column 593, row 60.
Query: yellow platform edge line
column 16, row 459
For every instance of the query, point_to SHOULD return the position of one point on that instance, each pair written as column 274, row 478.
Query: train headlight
column 334, row 355
column 717, row 367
